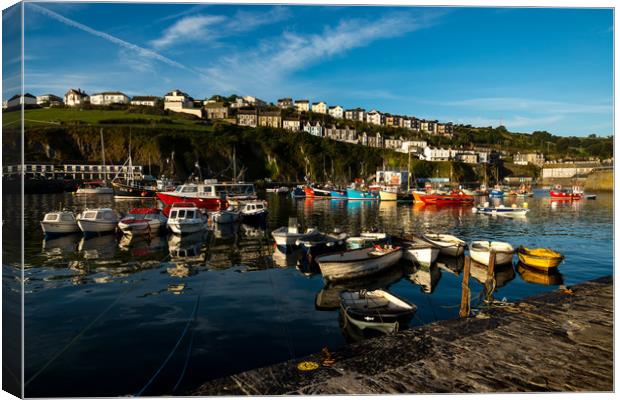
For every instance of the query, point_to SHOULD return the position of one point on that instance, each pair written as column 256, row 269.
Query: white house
column 314, row 129
column 375, row 117
column 150, row 101
column 414, row 146
column 178, row 101
column 76, row 98
column 254, row 101
column 436, row 154
column 50, row 99
column 302, row 105
column 291, row 125
column 336, row 112
column 320, row 107
column 107, row 98
column 17, row 100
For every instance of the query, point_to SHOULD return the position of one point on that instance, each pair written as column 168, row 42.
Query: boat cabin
column 102, row 214
column 60, row 216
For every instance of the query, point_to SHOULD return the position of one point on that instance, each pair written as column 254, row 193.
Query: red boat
column 316, row 192
column 201, row 195
column 455, row 197
column 564, row 194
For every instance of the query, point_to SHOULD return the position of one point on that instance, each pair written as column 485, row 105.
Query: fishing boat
column 228, row 216
column 355, row 194
column 405, row 196
column 388, row 194
column 357, row 263
column 366, row 239
column 286, row 236
column 323, row 243
column 298, row 192
column 497, row 193
column 564, row 194
column 539, row 277
column 186, row 218
column 539, row 258
column 59, row 222
column 203, row 195
column 142, row 221
column 418, row 250
column 366, row 309
column 455, row 197
column 253, row 211
column 502, row 210
column 448, row 244
column 579, row 190
column 316, row 192
column 337, row 194
column 480, row 251
column 98, row 220
column 94, row 188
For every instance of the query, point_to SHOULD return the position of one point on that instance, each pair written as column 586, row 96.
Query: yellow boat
column 540, row 258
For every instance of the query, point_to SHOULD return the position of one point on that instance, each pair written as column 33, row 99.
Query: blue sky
column 529, row 69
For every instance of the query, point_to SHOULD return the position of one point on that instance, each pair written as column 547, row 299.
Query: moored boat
column 204, row 196
column 142, row 221
column 337, row 194
column 388, row 195
column 366, row 309
column 186, row 218
column 455, row 197
column 228, row 216
column 565, row 194
column 357, row 263
column 286, row 236
column 355, row 194
column 94, row 188
column 98, row 220
column 366, row 239
column 323, row 243
column 502, row 210
column 539, row 258
column 448, row 244
column 418, row 250
column 496, row 193
column 480, row 251
column 253, row 211
column 298, row 193
column 59, row 222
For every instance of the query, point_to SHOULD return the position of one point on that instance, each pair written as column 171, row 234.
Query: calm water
column 103, row 315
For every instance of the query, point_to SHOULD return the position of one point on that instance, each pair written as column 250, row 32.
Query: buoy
column 524, row 205
column 514, row 205
column 307, row 366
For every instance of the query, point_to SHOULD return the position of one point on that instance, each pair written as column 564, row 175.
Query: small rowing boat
column 366, row 239
column 539, row 258
column 480, row 251
column 502, row 210
column 366, row 309
column 448, row 244
column 286, row 236
column 357, row 263
column 418, row 250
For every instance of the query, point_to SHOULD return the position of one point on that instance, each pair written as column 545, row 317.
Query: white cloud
column 210, row 28
column 261, row 70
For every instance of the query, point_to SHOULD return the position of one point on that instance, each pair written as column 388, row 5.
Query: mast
column 105, row 175
column 409, row 170
column 234, row 164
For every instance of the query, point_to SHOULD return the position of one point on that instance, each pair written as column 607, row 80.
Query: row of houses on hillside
column 373, row 117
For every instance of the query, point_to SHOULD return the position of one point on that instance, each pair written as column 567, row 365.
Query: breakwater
column 558, row 341
column 602, row 180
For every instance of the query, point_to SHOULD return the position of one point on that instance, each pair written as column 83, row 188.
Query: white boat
column 357, row 263
column 186, row 218
column 366, row 239
column 281, row 189
column 142, row 221
column 94, row 188
column 418, row 250
column 480, row 251
column 253, row 210
column 376, row 309
column 448, row 244
column 59, row 222
column 227, row 216
column 98, row 220
column 286, row 237
column 502, row 210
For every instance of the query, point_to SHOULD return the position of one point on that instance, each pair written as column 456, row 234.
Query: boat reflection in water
column 502, row 273
column 58, row 246
column 426, row 277
column 225, row 231
column 549, row 277
column 143, row 246
column 286, row 260
column 187, row 249
column 98, row 247
column 453, row 265
column 254, row 231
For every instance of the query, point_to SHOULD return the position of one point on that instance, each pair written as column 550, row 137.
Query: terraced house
column 272, row 119
column 247, row 118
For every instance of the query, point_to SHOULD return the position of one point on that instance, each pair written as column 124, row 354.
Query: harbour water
column 107, row 317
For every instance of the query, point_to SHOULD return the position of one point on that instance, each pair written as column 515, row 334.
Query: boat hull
column 338, row 194
column 209, row 203
column 563, row 195
column 483, row 256
column 543, row 263
column 127, row 191
column 186, row 228
column 447, row 246
column 88, row 226
column 335, row 270
column 59, row 228
column 226, row 217
column 422, row 256
column 94, row 191
column 386, row 195
column 354, row 194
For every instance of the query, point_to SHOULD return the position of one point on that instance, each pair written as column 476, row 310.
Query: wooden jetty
column 557, row 341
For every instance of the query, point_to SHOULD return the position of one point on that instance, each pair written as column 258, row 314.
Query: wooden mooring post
column 465, row 292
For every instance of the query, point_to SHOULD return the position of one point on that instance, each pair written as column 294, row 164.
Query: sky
column 527, row 69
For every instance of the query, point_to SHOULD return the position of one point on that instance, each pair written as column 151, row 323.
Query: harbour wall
column 602, row 180
column 553, row 342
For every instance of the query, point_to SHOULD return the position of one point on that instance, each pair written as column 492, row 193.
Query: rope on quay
column 192, row 318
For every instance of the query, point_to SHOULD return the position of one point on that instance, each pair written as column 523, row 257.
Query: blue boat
column 354, row 194
column 338, row 194
column 496, row 193
column 298, row 193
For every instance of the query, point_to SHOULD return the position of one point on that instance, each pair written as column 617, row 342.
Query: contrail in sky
column 112, row 39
